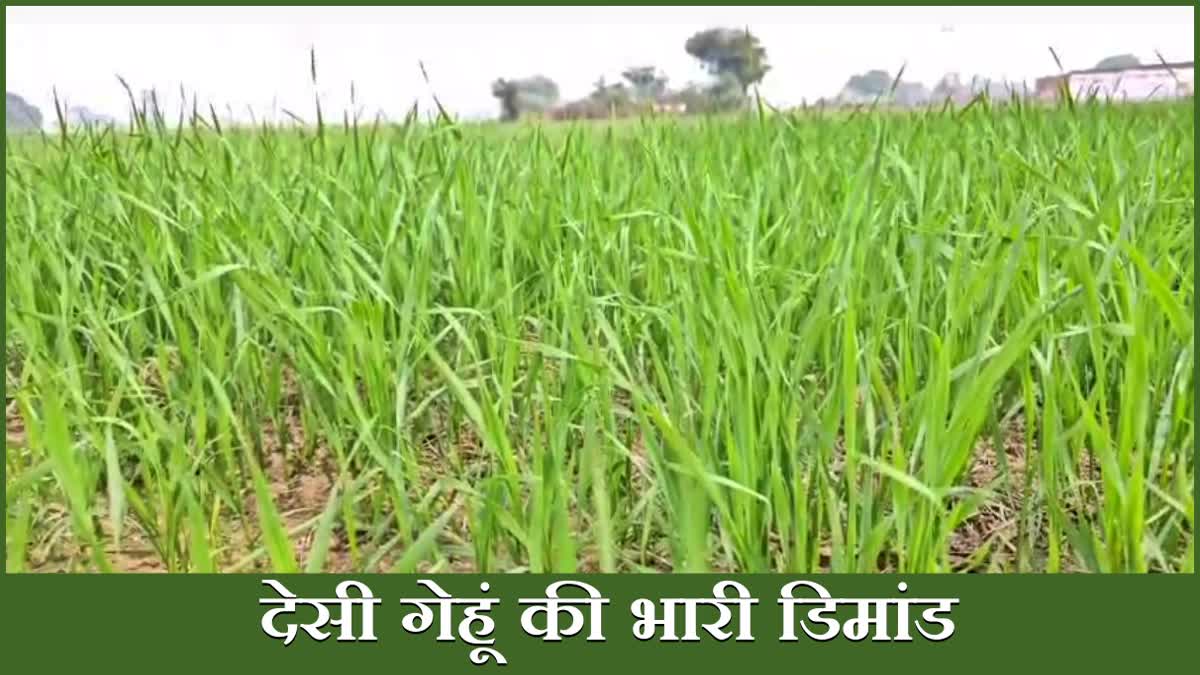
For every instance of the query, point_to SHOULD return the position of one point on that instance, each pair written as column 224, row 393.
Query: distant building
column 1149, row 82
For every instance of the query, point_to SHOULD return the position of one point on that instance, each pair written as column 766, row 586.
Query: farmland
column 951, row 340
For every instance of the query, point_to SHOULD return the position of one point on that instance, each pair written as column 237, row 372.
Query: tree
column 879, row 85
column 605, row 100
column 730, row 52
column 871, row 83
column 603, row 91
column 647, row 82
column 536, row 94
column 19, row 114
column 1118, row 61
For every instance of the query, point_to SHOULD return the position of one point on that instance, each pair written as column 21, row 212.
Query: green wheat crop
column 939, row 341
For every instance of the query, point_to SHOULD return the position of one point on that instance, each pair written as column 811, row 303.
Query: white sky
column 258, row 56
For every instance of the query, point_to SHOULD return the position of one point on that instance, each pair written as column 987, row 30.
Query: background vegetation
column 734, row 59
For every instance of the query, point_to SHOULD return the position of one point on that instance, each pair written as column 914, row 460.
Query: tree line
column 733, row 57
column 737, row 61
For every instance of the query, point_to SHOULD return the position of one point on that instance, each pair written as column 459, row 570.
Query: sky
column 243, row 59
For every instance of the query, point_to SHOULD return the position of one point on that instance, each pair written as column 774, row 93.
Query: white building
column 1151, row 82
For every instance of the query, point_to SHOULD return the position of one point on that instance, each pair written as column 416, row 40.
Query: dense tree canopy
column 535, row 94
column 647, row 82
column 730, row 51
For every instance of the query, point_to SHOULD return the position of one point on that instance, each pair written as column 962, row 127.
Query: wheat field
column 951, row 340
